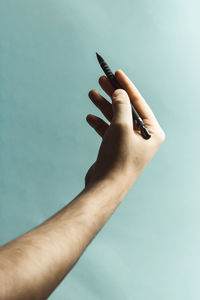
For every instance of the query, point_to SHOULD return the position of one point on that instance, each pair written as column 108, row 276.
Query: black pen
column 113, row 80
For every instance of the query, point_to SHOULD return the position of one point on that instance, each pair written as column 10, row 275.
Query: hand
column 123, row 153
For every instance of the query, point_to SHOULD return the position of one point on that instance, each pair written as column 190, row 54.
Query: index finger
column 136, row 98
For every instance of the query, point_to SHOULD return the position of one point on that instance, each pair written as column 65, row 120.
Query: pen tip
column 100, row 59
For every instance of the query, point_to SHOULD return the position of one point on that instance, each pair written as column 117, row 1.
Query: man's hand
column 33, row 265
column 124, row 153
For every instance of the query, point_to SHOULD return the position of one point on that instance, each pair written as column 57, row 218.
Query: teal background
column 150, row 248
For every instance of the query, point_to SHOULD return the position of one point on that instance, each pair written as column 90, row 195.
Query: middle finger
column 106, row 85
column 104, row 106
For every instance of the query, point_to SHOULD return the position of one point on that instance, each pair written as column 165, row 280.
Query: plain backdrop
column 150, row 248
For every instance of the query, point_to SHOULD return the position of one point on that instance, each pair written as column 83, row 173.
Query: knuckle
column 119, row 92
column 122, row 127
column 120, row 101
column 161, row 136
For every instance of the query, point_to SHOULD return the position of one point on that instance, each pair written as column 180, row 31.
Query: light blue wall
column 150, row 248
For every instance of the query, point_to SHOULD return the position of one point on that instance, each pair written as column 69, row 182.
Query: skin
column 33, row 265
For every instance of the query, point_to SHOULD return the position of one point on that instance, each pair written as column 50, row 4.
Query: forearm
column 34, row 264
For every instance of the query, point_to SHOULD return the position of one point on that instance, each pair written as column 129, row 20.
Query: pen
column 113, row 80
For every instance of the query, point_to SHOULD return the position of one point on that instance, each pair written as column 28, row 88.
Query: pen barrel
column 114, row 82
column 140, row 124
column 136, row 115
column 145, row 133
column 106, row 69
column 110, row 75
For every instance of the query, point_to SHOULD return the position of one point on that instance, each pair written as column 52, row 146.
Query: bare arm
column 33, row 265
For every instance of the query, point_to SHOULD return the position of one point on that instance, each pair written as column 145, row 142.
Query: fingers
column 104, row 106
column 106, row 85
column 99, row 125
column 122, row 112
column 136, row 98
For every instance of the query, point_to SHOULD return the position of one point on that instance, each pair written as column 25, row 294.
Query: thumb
column 122, row 112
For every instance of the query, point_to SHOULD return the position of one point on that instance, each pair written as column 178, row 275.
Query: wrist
column 117, row 186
